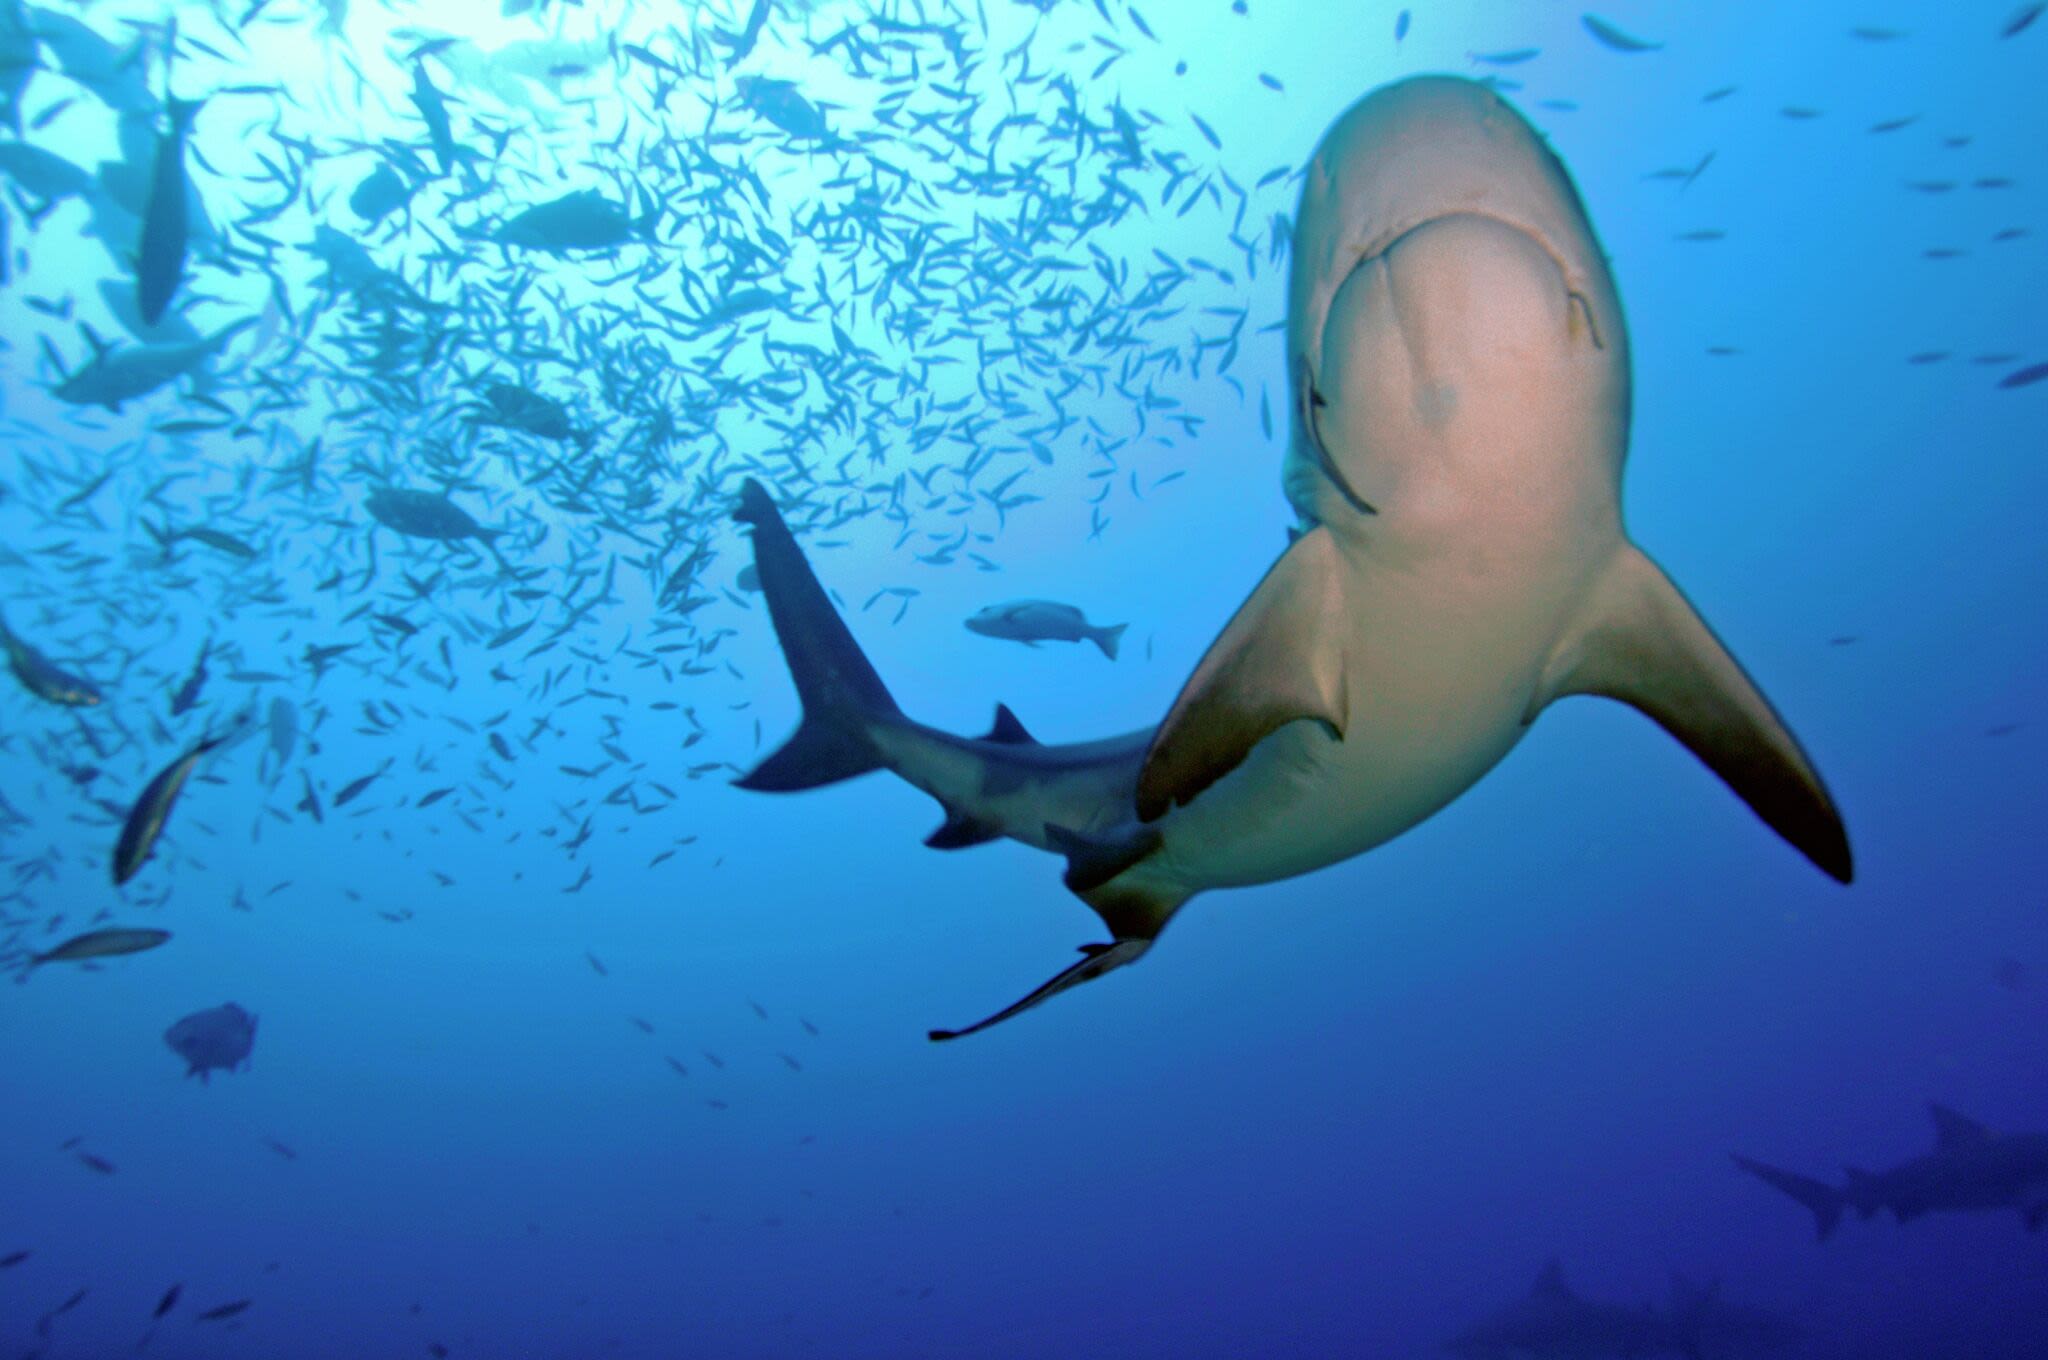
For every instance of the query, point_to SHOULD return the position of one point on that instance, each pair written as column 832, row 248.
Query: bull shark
column 1971, row 1168
column 1554, row 1322
column 1460, row 411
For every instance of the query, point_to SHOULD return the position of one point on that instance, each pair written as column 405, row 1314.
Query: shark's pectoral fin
column 1096, row 960
column 1275, row 662
column 1638, row 640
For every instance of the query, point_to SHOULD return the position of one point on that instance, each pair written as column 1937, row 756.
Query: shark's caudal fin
column 839, row 689
column 1641, row 642
column 1824, row 1200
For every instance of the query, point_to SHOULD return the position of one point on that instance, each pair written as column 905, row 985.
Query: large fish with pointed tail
column 41, row 676
column 145, row 821
column 1460, row 376
column 160, row 260
column 106, row 943
column 1971, row 1168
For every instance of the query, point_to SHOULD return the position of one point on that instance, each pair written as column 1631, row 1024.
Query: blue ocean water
column 567, row 1047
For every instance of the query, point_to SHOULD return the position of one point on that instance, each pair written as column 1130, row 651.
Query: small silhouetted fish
column 597, row 965
column 713, row 1058
column 160, row 257
column 281, row 1149
column 2025, row 377
column 43, row 678
column 14, row 1258
column 681, row 1070
column 354, row 788
column 790, row 1062
column 758, row 1011
column 168, row 1301
column 1615, row 38
column 809, row 1028
column 43, row 1322
column 99, row 1164
column 146, row 819
column 219, row 1039
column 221, row 1312
column 2012, row 975
column 99, row 944
column 643, row 1026
column 437, row 1350
column 2021, row 18
column 2002, row 730
column 1034, row 621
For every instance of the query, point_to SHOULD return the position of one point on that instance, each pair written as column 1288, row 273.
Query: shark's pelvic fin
column 959, row 831
column 1639, row 640
column 1276, row 661
column 1824, row 1201
column 1094, row 860
column 839, row 689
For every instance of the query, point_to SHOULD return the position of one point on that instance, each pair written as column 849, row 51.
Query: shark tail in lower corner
column 838, row 687
column 1825, row 1202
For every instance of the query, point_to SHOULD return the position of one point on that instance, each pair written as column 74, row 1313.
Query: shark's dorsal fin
column 1638, row 640
column 1276, row 661
column 1550, row 1283
column 1952, row 1130
column 1008, row 730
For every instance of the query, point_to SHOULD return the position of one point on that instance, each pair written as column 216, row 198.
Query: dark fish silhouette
column 213, row 1040
column 223, row 1311
column 422, row 514
column 146, row 819
column 160, row 260
column 42, row 677
column 1970, row 1168
column 107, row 943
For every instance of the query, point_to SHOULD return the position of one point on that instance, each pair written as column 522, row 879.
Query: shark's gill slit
column 1592, row 322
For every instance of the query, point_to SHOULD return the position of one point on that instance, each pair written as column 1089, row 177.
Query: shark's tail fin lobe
column 1824, row 1201
column 839, row 689
column 1108, row 639
column 1640, row 641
